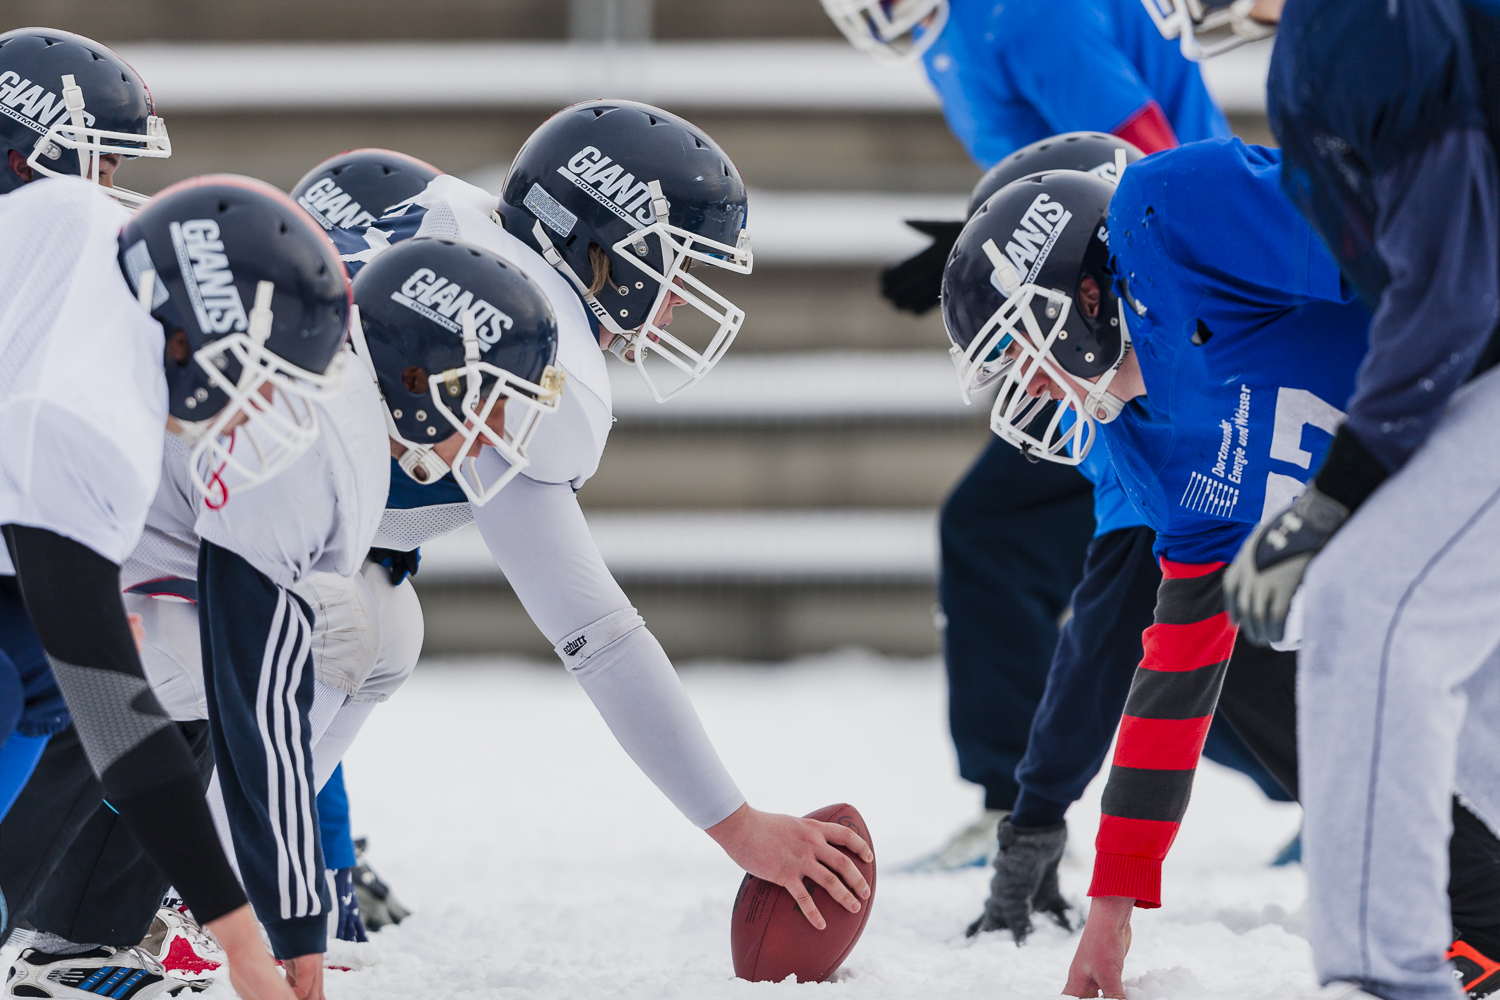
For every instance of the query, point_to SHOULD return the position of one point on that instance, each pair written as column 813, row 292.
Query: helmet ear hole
column 415, row 380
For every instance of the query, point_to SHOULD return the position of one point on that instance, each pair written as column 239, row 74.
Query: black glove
column 399, row 565
column 1259, row 584
column 914, row 284
column 1025, row 880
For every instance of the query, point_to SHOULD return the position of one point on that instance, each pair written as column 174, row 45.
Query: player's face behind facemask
column 1028, row 303
column 73, row 109
column 891, row 31
column 463, row 347
column 255, row 306
column 641, row 211
column 1208, row 28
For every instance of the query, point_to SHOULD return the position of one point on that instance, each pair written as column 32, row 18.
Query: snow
column 541, row 864
column 737, row 545
column 781, row 73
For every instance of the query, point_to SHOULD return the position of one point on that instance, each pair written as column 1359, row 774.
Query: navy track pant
column 257, row 665
column 1015, row 545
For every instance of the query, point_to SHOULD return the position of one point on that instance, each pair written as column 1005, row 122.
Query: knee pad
column 346, row 630
column 576, row 649
column 401, row 632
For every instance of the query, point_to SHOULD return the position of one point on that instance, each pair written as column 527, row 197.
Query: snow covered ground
column 541, row 864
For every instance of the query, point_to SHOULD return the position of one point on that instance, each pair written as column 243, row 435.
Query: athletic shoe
column 118, row 973
column 378, row 906
column 183, row 948
column 1477, row 973
column 974, row 846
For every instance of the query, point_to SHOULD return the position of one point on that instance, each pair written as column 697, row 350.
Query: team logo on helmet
column 32, row 106
column 611, row 185
column 207, row 277
column 1032, row 242
column 444, row 302
column 333, row 207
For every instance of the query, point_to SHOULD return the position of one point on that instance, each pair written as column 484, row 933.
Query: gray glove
column 1260, row 583
column 1025, row 880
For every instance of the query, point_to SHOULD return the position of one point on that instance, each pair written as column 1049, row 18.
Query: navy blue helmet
column 452, row 331
column 1097, row 153
column 250, row 293
column 353, row 189
column 66, row 100
column 915, row 284
column 624, row 199
column 1028, row 292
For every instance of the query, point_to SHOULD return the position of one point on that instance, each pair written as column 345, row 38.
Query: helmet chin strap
column 1103, row 405
column 554, row 257
column 416, row 456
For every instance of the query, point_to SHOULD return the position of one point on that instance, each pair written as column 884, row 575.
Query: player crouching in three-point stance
column 109, row 336
column 1117, row 303
column 618, row 212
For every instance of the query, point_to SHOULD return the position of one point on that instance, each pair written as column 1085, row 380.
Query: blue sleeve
column 1112, row 508
column 1064, row 59
column 1438, row 231
column 1210, row 216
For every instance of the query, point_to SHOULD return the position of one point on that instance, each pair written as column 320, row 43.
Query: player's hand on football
column 1099, row 962
column 788, row 849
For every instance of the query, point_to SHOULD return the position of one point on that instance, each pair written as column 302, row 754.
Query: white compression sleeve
column 539, row 538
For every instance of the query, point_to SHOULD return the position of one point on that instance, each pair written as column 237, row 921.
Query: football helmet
column 353, row 189
column 657, row 197
column 914, row 284
column 893, row 31
column 1096, row 153
column 65, row 101
column 255, row 306
column 1028, row 290
column 449, row 330
column 1186, row 20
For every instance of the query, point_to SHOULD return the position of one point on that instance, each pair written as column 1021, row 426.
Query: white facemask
column 90, row 144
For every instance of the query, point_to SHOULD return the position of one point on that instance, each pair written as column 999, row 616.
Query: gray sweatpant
column 1399, row 705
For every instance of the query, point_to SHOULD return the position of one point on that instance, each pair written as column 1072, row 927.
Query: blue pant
column 1015, row 535
column 333, row 822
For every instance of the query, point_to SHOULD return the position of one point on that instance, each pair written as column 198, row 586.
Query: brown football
column 770, row 937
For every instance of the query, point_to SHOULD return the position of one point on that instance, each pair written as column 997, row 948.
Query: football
column 771, row 939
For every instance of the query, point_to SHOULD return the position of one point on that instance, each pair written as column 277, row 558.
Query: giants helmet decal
column 450, row 331
column 655, row 196
column 1028, row 292
column 353, row 189
column 65, row 101
column 251, row 294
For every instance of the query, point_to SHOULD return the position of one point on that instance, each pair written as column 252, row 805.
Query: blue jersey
column 1216, row 254
column 1011, row 73
column 1112, row 508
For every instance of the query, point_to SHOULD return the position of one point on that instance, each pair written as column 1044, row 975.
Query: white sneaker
column 118, row 973
column 974, row 846
column 181, row 946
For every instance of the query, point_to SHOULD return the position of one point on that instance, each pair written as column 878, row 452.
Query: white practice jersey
column 568, row 444
column 319, row 515
column 83, row 398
